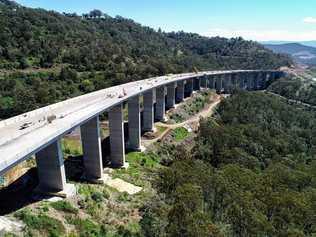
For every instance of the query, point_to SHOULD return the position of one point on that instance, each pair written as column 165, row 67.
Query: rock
column 8, row 225
column 123, row 186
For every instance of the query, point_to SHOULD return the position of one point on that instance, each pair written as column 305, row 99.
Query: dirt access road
column 208, row 111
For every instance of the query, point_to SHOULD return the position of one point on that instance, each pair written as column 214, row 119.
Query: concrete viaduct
column 39, row 132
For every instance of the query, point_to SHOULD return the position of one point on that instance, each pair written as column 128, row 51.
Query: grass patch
column 161, row 129
column 179, row 134
column 86, row 190
column 43, row 224
column 72, row 147
column 64, row 206
column 87, row 228
column 141, row 166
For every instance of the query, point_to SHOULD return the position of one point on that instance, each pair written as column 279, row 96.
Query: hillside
column 46, row 56
column 39, row 38
column 300, row 53
column 249, row 174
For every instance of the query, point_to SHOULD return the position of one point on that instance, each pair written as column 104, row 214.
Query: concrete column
column 148, row 113
column 234, row 81
column 219, row 83
column 257, row 80
column 134, row 124
column 160, row 103
column 171, row 95
column 50, row 168
column 92, row 154
column 189, row 87
column 180, row 91
column 250, row 81
column 117, row 142
column 211, row 82
column 204, row 81
column 263, row 78
column 197, row 83
column 227, row 83
column 240, row 79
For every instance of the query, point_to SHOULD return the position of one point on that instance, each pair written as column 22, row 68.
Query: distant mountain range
column 300, row 52
column 311, row 43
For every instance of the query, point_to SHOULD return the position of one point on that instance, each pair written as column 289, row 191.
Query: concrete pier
column 160, row 103
column 117, row 142
column 189, row 87
column 234, row 84
column 219, row 80
column 197, row 83
column 250, row 81
column 227, row 83
column 204, row 82
column 171, row 95
column 257, row 77
column 134, row 124
column 180, row 91
column 92, row 153
column 211, row 82
column 262, row 80
column 51, row 172
column 148, row 113
column 240, row 81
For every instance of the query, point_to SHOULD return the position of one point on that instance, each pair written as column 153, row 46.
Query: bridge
column 39, row 132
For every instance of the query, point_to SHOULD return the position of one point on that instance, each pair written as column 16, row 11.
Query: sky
column 260, row 20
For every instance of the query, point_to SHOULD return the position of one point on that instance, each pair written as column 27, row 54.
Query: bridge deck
column 24, row 135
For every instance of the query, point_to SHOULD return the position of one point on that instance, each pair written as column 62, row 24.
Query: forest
column 299, row 88
column 47, row 56
column 251, row 173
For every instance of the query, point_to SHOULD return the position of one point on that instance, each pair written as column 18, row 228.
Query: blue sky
column 292, row 20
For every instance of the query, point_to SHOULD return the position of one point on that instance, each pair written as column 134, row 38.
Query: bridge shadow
column 18, row 194
column 21, row 193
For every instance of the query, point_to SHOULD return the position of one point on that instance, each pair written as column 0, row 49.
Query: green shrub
column 97, row 197
column 44, row 224
column 180, row 134
column 87, row 228
column 123, row 197
column 65, row 207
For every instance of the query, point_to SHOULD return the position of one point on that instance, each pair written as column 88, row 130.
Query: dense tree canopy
column 64, row 55
column 251, row 173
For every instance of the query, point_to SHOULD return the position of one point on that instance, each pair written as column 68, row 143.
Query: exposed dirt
column 208, row 111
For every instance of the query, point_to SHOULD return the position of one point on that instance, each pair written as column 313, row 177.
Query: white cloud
column 310, row 20
column 263, row 35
